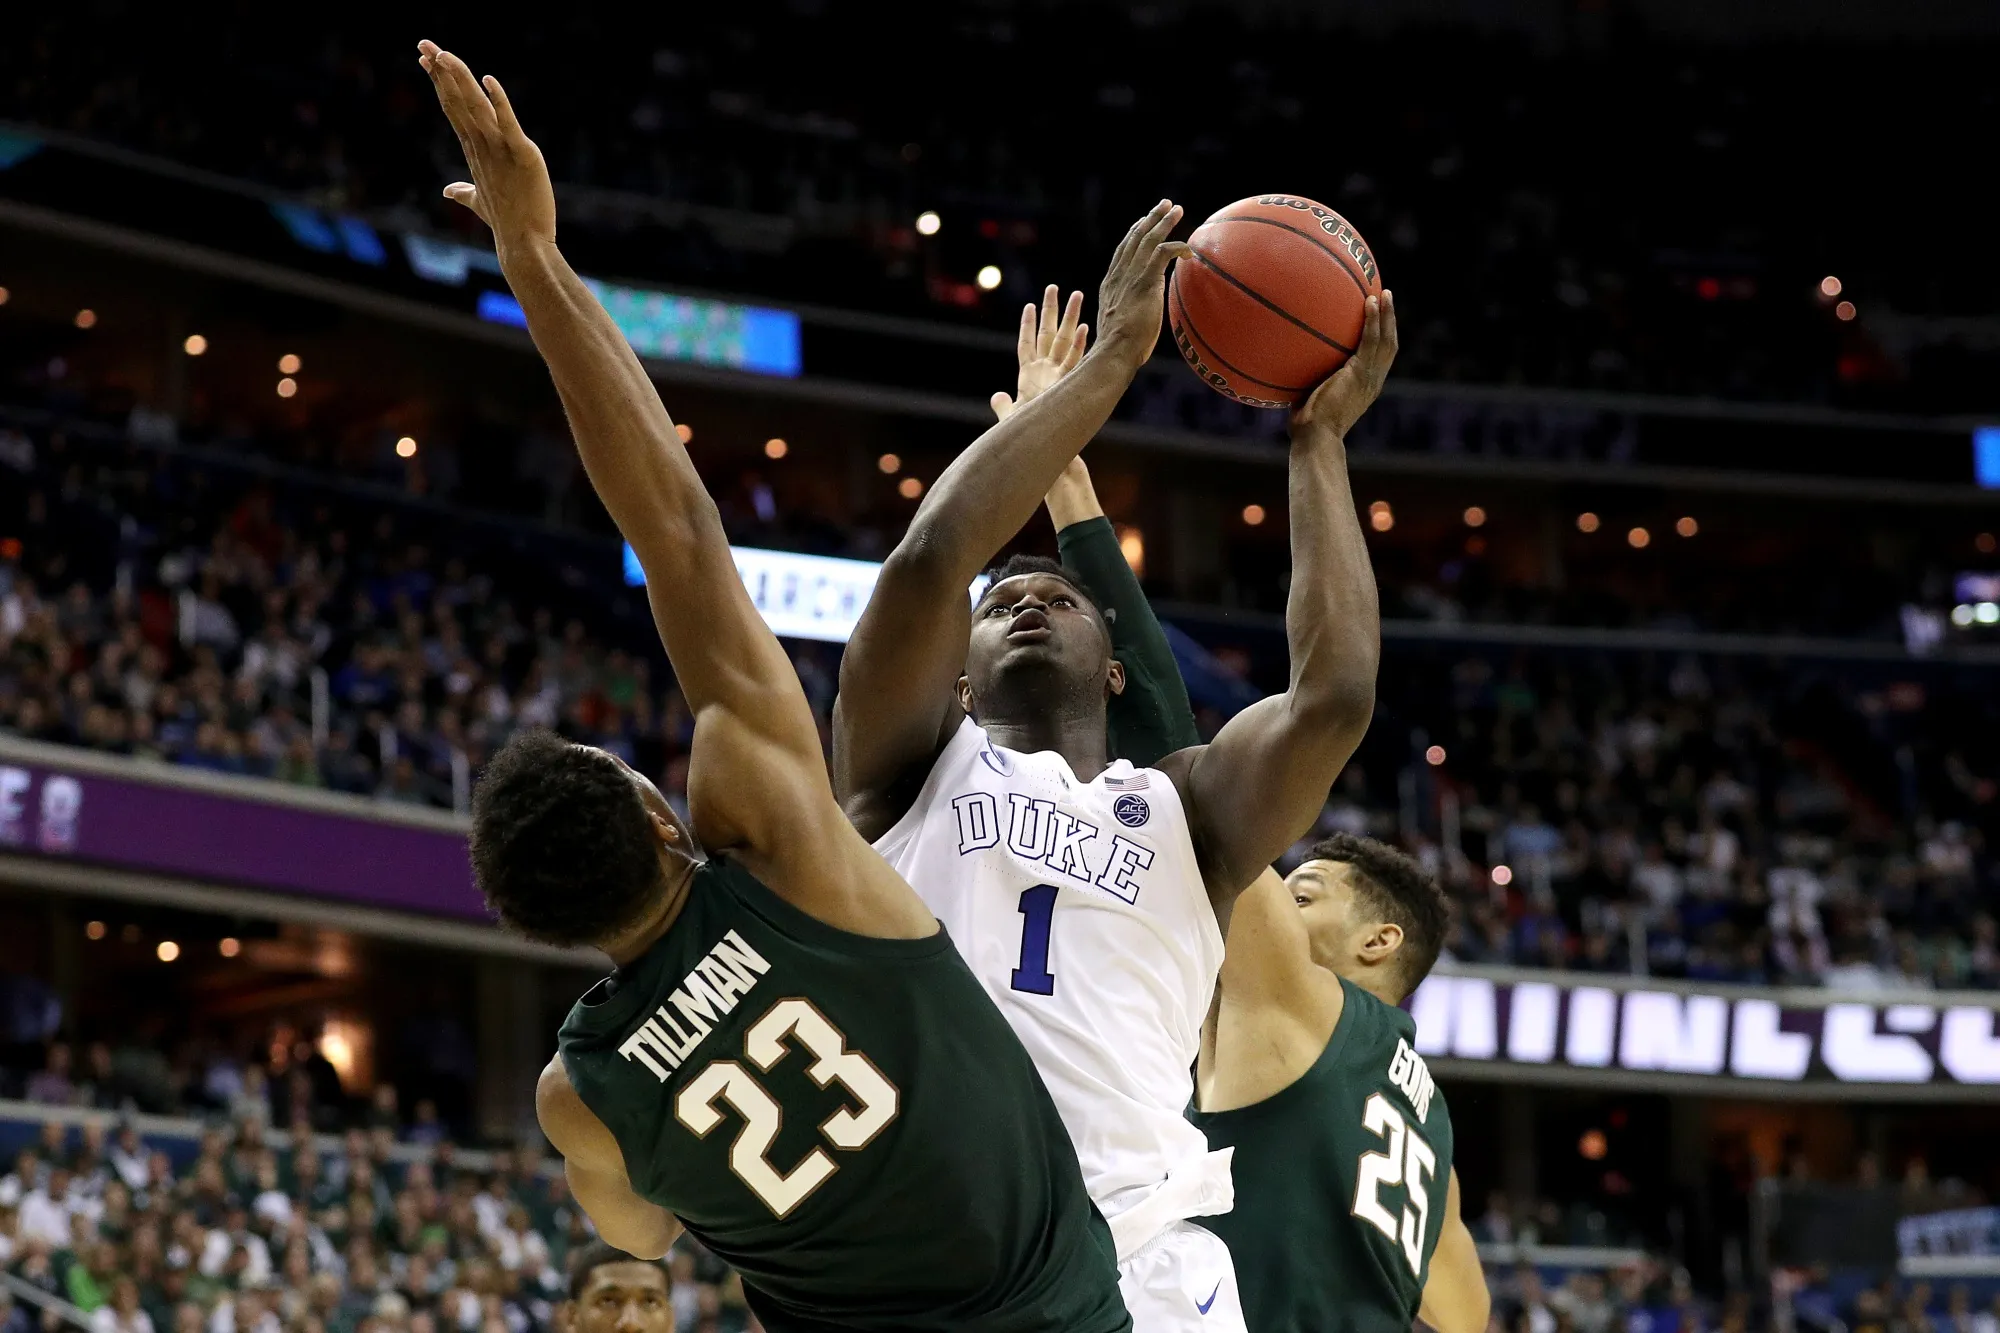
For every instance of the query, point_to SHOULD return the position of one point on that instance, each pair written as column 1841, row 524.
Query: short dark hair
column 1397, row 887
column 593, row 1255
column 1016, row 565
column 563, row 846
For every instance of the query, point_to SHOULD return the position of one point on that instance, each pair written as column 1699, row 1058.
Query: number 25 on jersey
column 1408, row 1162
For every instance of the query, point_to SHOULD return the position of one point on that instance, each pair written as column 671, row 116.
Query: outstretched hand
column 510, row 188
column 1339, row 401
column 1048, row 349
column 1133, row 297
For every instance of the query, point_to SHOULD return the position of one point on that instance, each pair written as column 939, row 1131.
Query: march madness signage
column 1550, row 1027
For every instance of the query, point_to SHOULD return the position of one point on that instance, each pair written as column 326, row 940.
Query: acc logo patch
column 1131, row 810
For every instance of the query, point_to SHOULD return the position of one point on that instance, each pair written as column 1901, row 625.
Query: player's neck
column 1079, row 739
column 1375, row 981
column 632, row 946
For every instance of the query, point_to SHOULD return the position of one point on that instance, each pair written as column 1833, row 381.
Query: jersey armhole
column 1211, row 929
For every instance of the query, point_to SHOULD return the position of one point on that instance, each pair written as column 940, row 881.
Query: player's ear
column 965, row 696
column 1382, row 940
column 1114, row 678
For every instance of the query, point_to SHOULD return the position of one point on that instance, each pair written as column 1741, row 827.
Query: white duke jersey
column 1081, row 909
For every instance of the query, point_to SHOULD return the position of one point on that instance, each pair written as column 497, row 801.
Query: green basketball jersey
column 1341, row 1182
column 847, row 1121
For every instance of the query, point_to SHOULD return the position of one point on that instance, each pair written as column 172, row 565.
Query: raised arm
column 1455, row 1296
column 897, row 704
column 1264, row 779
column 1150, row 718
column 1274, row 1007
column 757, row 781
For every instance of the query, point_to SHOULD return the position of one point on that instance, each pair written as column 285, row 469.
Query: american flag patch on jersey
column 1137, row 782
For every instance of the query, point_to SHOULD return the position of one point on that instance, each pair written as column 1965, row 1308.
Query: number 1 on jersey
column 1038, row 909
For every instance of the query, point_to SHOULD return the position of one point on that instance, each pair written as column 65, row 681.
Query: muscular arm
column 897, row 705
column 757, row 780
column 1259, row 785
column 596, row 1170
column 1274, row 1009
column 1455, row 1295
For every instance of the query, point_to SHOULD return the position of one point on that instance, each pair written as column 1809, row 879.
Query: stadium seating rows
column 1718, row 818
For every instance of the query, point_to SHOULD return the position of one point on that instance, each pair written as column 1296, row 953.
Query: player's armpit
column 1455, row 1296
column 595, row 1168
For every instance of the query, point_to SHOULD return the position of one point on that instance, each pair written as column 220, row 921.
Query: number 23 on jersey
column 1406, row 1162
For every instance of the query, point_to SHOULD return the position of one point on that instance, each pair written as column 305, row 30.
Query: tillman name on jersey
column 1036, row 831
column 726, row 973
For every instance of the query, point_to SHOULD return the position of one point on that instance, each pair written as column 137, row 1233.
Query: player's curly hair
column 562, row 844
column 1395, row 886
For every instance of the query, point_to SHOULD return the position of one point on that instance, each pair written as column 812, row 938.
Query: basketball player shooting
column 789, row 1059
column 1306, row 1007
column 1090, row 896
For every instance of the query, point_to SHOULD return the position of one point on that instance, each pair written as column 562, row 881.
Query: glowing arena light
column 1829, row 286
column 929, row 223
column 1961, row 615
column 406, row 447
column 195, row 345
column 1253, row 514
column 1587, row 522
column 989, row 277
column 776, row 448
column 1986, row 613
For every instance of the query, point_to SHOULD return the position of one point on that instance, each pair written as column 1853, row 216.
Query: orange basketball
column 1271, row 300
